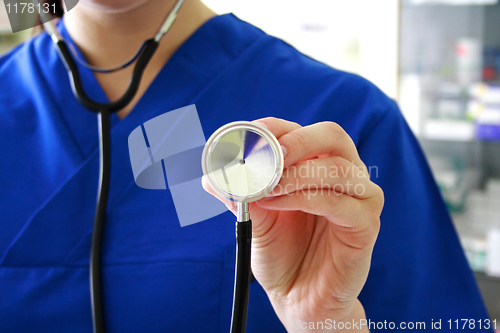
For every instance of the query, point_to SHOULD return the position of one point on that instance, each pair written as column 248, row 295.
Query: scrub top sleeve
column 419, row 271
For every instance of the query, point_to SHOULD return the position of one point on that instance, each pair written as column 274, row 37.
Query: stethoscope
column 243, row 162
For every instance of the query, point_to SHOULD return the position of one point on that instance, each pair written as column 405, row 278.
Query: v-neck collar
column 198, row 61
column 95, row 90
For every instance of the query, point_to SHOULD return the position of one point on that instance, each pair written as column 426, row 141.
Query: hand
column 313, row 236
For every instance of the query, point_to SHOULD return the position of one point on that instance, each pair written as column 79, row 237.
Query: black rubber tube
column 243, row 229
column 79, row 91
column 242, row 276
column 104, row 120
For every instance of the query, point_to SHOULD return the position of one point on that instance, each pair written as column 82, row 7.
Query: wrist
column 330, row 321
column 355, row 321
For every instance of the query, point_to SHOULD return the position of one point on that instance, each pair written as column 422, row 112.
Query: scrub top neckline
column 94, row 88
column 190, row 71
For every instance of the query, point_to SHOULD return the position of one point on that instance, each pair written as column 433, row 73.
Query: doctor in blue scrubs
column 333, row 256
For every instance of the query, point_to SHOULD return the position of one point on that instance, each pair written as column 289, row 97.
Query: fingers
column 357, row 220
column 278, row 127
column 319, row 139
column 334, row 173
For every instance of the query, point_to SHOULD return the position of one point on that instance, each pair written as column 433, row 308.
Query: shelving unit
column 443, row 61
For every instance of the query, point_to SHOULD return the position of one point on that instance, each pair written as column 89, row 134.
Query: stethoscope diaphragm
column 243, row 161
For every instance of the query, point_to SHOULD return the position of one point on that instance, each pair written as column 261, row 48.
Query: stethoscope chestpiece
column 243, row 161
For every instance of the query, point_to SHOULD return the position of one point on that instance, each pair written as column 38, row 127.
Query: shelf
column 484, row 276
column 452, row 130
column 449, row 130
column 493, row 144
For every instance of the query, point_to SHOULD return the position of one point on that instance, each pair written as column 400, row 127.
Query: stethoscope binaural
column 239, row 148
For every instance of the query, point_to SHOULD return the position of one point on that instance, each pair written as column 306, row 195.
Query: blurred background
column 440, row 60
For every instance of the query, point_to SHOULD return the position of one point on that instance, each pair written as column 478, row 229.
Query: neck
column 109, row 39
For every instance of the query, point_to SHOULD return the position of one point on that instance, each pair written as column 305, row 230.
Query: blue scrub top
column 157, row 276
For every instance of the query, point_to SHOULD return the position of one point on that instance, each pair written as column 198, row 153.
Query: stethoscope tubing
column 242, row 277
column 104, row 122
column 104, row 111
column 77, row 85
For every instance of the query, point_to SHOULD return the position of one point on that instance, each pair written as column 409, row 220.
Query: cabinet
column 449, row 91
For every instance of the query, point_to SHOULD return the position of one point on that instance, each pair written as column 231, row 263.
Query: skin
column 311, row 250
column 106, row 32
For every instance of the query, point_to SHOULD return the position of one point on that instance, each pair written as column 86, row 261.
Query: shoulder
column 294, row 86
column 21, row 65
column 23, row 74
column 300, row 72
column 22, row 52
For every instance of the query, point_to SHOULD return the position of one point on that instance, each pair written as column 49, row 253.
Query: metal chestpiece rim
column 265, row 134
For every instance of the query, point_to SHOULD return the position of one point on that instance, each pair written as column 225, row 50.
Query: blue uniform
column 157, row 276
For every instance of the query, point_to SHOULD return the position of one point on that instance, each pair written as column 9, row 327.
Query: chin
column 113, row 6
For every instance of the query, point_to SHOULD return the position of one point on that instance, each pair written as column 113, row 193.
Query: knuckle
column 374, row 229
column 300, row 138
column 380, row 192
column 371, row 229
column 338, row 135
column 334, row 129
column 370, row 233
column 269, row 119
column 379, row 197
column 297, row 125
column 374, row 208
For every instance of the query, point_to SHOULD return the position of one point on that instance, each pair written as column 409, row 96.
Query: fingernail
column 204, row 182
column 285, row 151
